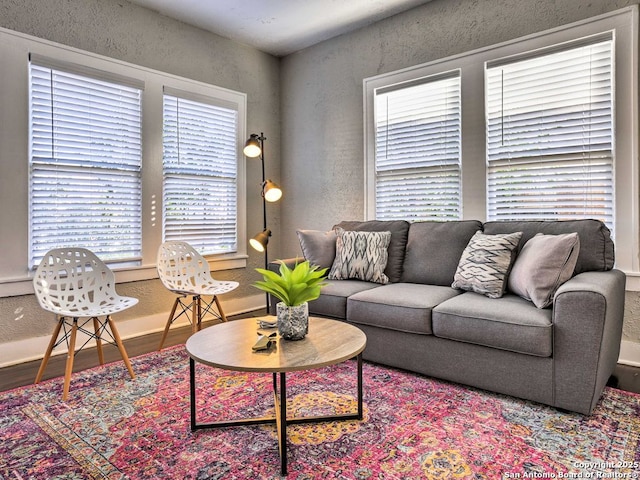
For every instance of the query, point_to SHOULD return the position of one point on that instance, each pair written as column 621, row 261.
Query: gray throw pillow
column 361, row 256
column 318, row 247
column 544, row 263
column 485, row 263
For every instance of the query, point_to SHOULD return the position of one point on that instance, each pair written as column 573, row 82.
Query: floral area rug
column 415, row 427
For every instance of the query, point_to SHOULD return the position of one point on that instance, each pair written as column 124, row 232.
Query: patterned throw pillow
column 361, row 256
column 485, row 263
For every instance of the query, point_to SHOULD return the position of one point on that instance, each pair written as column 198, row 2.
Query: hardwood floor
column 24, row 373
column 624, row 377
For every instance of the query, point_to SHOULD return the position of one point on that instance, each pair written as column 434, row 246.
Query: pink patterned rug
column 113, row 427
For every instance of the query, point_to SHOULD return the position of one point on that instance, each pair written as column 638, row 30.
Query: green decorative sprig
column 293, row 287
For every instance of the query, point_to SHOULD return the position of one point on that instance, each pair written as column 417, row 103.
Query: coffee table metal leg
column 282, row 425
column 280, row 400
column 360, row 409
column 192, row 392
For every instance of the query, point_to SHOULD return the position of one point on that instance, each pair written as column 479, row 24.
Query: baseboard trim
column 30, row 349
column 629, row 353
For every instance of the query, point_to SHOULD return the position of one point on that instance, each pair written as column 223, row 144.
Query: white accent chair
column 75, row 285
column 185, row 272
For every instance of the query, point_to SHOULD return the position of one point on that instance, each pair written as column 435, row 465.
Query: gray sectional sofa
column 561, row 355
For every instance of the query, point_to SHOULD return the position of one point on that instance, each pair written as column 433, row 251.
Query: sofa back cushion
column 596, row 247
column 399, row 232
column 434, row 250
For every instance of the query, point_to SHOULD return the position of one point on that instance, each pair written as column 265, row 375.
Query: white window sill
column 24, row 286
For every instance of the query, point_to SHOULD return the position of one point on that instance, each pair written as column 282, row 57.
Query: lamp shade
column 252, row 146
column 260, row 241
column 271, row 191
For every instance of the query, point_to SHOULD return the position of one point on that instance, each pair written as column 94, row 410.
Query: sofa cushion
column 333, row 301
column 434, row 249
column 361, row 256
column 508, row 323
column 596, row 247
column 318, row 247
column 544, row 263
column 405, row 307
column 399, row 231
column 485, row 263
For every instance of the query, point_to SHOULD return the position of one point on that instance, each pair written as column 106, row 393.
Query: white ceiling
column 279, row 27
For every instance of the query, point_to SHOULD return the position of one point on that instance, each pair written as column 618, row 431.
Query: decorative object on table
column 268, row 322
column 264, row 342
column 254, row 147
column 294, row 288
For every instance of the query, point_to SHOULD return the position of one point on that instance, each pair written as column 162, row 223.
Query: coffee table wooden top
column 228, row 346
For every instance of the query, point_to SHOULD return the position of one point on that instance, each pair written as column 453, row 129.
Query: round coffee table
column 228, row 346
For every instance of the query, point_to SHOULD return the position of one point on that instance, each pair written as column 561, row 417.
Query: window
column 417, row 150
column 200, row 174
column 82, row 162
column 550, row 135
column 549, row 130
column 85, row 164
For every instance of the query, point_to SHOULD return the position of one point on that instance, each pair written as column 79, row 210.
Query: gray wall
column 313, row 96
column 118, row 29
column 322, row 98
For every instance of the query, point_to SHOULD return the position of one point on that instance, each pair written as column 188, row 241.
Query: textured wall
column 118, row 29
column 322, row 99
column 314, row 96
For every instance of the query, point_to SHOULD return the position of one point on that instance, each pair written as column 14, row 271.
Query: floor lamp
column 254, row 147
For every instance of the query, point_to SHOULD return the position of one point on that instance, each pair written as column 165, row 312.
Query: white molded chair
column 185, row 272
column 75, row 285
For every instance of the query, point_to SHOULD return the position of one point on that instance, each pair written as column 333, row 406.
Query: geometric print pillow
column 361, row 256
column 485, row 263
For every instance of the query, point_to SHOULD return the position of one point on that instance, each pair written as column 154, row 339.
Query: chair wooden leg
column 96, row 329
column 47, row 354
column 220, row 311
column 70, row 356
column 194, row 314
column 199, row 313
column 169, row 322
column 123, row 352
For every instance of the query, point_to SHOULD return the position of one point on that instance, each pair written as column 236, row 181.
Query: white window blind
column 200, row 165
column 85, row 164
column 417, row 150
column 550, row 135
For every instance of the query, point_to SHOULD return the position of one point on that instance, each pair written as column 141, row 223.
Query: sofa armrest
column 588, row 312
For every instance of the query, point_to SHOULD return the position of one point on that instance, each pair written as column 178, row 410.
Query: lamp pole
column 254, row 147
column 261, row 139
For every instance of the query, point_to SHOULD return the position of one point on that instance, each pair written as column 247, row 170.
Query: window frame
column 510, row 163
column 126, row 167
column 184, row 179
column 15, row 49
column 623, row 24
column 450, row 164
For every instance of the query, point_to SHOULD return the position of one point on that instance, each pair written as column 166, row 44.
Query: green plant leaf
column 294, row 286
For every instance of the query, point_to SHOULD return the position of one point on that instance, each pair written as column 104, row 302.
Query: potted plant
column 294, row 288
